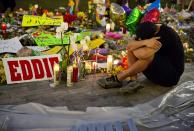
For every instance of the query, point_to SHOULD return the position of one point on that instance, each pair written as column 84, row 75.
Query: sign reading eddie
column 30, row 20
column 28, row 69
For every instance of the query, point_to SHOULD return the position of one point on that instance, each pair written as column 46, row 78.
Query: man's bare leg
column 138, row 62
column 131, row 59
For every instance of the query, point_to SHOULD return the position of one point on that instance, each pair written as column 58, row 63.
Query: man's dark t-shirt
column 168, row 64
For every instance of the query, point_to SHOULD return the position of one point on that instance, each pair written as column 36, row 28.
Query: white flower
column 72, row 39
column 84, row 45
column 59, row 30
column 36, row 6
column 87, row 38
column 58, row 35
column 64, row 25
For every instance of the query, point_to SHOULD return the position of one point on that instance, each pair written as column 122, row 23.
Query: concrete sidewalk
column 84, row 93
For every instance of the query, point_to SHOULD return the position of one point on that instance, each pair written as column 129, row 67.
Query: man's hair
column 145, row 30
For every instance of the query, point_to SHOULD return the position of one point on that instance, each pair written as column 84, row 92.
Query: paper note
column 10, row 46
column 30, row 20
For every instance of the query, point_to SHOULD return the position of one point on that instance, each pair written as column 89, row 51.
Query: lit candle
column 36, row 6
column 75, row 73
column 88, row 66
column 116, row 62
column 69, row 76
column 82, row 70
column 112, row 26
column 186, row 45
column 107, row 27
column 94, row 66
column 56, row 74
column 3, row 27
column 109, row 63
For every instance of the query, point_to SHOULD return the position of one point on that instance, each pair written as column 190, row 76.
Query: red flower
column 69, row 18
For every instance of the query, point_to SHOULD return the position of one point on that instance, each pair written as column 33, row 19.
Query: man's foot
column 131, row 87
column 109, row 82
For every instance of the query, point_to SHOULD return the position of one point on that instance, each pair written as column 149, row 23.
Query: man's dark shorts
column 162, row 72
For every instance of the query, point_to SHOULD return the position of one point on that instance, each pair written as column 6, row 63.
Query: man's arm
column 144, row 53
column 144, row 49
column 133, row 45
column 150, row 43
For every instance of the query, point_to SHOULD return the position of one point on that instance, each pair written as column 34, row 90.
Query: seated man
column 157, row 52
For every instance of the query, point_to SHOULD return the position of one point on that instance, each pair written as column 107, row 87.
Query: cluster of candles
column 73, row 71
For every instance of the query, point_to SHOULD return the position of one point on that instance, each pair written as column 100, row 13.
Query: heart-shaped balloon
column 133, row 19
column 151, row 16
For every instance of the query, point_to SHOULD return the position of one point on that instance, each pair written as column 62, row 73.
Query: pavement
column 84, row 93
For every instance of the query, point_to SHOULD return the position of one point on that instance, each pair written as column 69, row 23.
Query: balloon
column 127, row 9
column 117, row 14
column 133, row 19
column 155, row 4
column 151, row 16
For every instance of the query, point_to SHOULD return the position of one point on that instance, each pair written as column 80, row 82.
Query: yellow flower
column 71, row 3
column 81, row 15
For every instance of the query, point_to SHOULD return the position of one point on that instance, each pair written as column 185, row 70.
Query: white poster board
column 28, row 69
column 10, row 46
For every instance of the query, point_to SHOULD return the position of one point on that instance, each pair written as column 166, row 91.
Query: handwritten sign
column 30, row 20
column 28, row 69
column 49, row 39
column 46, row 39
column 10, row 46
